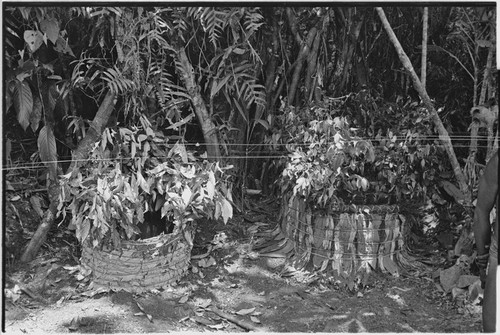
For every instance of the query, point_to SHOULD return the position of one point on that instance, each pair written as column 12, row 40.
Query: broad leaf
column 23, row 103
column 48, row 150
column 34, row 39
column 51, row 28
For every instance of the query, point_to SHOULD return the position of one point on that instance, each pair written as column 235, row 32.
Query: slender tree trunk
column 486, row 77
column 312, row 64
column 352, row 43
column 304, row 51
column 423, row 72
column 81, row 153
column 476, row 76
column 443, row 134
column 353, row 29
column 464, row 243
column 271, row 67
column 207, row 126
column 492, row 138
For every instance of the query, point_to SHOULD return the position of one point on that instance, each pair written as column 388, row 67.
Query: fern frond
column 253, row 20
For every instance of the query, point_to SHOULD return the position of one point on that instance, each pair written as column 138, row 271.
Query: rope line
column 395, row 252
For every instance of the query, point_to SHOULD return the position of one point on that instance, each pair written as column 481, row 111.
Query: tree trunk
column 423, row 71
column 304, row 51
column 443, row 134
column 464, row 244
column 312, row 65
column 486, row 77
column 200, row 108
column 343, row 66
column 80, row 154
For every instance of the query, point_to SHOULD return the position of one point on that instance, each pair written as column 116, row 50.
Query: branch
column 423, row 71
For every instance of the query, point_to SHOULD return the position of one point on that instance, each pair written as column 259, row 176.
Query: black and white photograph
column 287, row 167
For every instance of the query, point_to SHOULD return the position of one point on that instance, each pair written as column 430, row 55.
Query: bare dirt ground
column 227, row 291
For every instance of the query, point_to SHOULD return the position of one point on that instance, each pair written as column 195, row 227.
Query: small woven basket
column 140, row 265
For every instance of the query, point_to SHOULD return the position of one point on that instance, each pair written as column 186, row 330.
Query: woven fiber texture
column 345, row 239
column 140, row 265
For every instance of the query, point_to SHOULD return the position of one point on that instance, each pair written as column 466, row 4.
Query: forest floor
column 49, row 296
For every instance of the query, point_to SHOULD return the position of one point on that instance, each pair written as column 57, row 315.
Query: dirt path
column 51, row 297
column 250, row 287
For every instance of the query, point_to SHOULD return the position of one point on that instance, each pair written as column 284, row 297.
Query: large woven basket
column 345, row 239
column 142, row 265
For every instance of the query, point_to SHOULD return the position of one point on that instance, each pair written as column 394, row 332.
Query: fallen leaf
column 15, row 198
column 245, row 311
column 74, row 325
column 254, row 319
column 60, row 301
column 218, row 326
column 184, row 299
column 150, row 318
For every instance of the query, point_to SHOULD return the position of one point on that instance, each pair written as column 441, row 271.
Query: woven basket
column 140, row 265
column 345, row 239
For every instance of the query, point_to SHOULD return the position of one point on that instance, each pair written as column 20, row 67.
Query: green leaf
column 34, row 39
column 227, row 210
column 211, row 185
column 23, row 103
column 51, row 28
column 48, row 150
column 186, row 195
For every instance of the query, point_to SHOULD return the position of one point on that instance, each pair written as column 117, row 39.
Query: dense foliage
column 324, row 81
column 330, row 162
column 131, row 173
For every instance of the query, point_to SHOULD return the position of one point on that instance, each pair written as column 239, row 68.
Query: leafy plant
column 329, row 163
column 130, row 174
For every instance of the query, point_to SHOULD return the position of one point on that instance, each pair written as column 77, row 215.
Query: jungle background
column 237, row 87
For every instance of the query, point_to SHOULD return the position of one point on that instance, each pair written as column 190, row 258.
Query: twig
column 233, row 319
